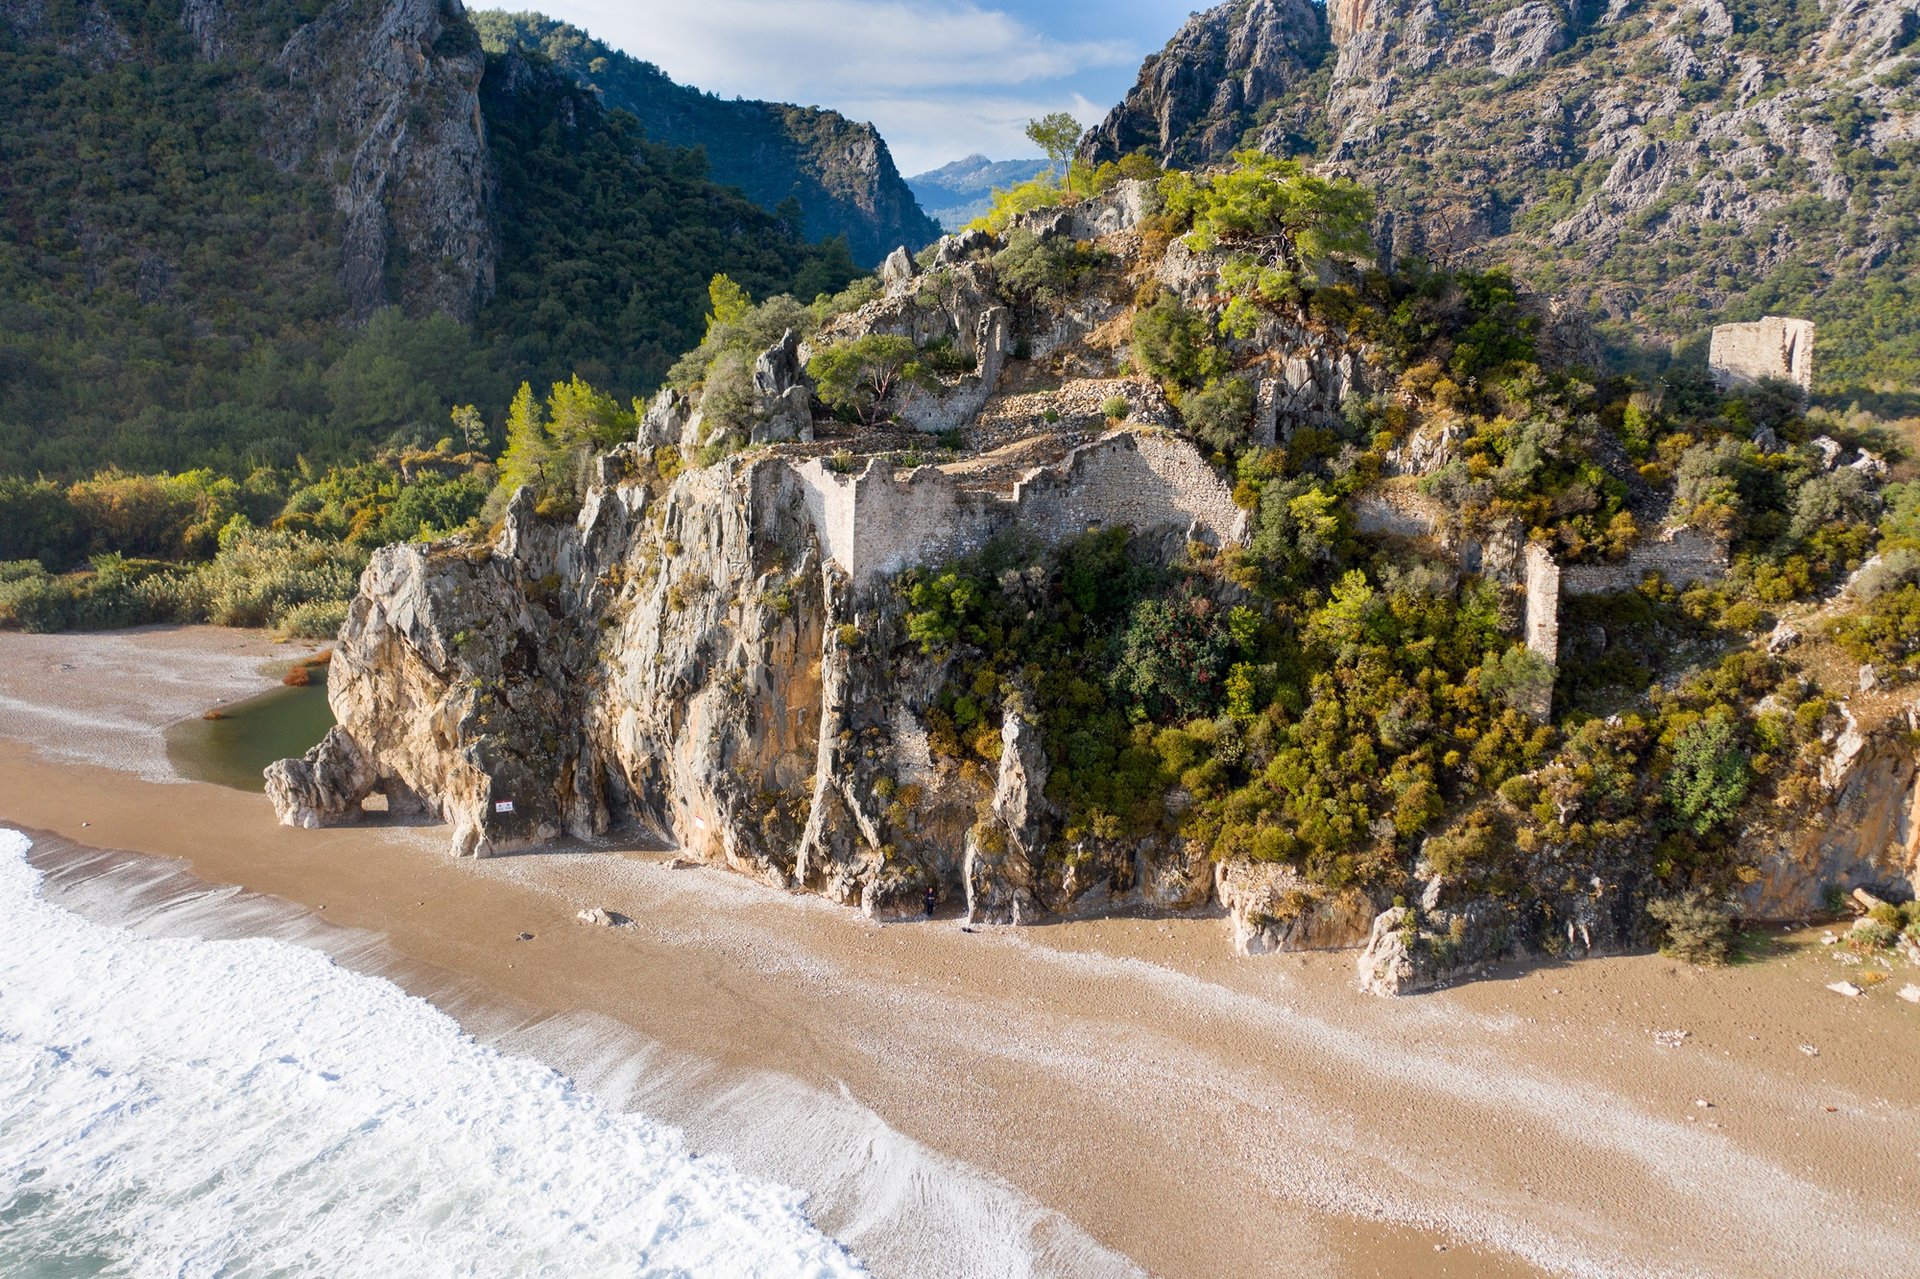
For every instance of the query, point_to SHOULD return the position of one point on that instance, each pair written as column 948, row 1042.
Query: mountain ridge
column 957, row 193
column 840, row 172
column 1665, row 165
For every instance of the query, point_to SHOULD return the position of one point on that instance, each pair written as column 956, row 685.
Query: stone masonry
column 1775, row 347
column 880, row 521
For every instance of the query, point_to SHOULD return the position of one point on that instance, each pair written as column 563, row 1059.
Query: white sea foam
column 187, row 1107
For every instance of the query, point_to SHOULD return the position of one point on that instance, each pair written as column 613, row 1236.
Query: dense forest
column 170, row 298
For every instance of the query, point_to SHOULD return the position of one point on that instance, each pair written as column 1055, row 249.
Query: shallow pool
column 236, row 748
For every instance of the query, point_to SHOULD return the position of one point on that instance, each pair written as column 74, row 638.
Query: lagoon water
column 188, row 1107
column 235, row 749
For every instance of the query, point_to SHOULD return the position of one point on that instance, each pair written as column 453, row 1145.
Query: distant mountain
column 840, row 172
column 957, row 193
column 1667, row 163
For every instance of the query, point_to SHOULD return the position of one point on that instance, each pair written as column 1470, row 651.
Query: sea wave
column 184, row 1107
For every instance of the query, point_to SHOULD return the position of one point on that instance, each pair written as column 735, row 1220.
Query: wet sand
column 1199, row 1114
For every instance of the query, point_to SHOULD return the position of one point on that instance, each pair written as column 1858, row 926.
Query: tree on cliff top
column 861, row 376
column 1262, row 196
column 1058, row 135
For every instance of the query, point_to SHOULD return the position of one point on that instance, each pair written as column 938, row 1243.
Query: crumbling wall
column 1683, row 556
column 881, row 521
column 1774, row 347
column 1130, row 478
column 1543, row 603
column 1397, row 510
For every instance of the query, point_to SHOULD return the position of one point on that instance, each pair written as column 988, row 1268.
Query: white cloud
column 939, row 79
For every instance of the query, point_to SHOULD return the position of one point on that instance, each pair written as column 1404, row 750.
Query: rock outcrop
column 382, row 102
column 1275, row 908
column 1199, row 96
column 402, row 130
column 704, row 664
column 327, row 787
column 1866, row 832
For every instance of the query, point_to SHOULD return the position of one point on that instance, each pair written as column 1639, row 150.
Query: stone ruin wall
column 1543, row 603
column 1685, row 557
column 1774, row 347
column 1140, row 480
column 879, row 522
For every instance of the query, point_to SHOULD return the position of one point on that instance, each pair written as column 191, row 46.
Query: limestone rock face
column 784, row 399
column 384, row 101
column 326, row 787
column 696, row 662
column 1553, row 89
column 1274, row 908
column 1526, row 37
column 1866, row 832
column 1197, row 97
column 1002, row 867
column 1386, row 966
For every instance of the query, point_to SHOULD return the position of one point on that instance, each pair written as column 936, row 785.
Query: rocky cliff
column 1201, row 97
column 839, row 171
column 384, row 104
column 376, row 103
column 1657, row 161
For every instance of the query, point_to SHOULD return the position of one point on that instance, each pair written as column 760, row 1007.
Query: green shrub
column 316, row 619
column 1709, row 777
column 1221, row 415
column 1694, row 928
column 1046, row 272
column 1175, row 344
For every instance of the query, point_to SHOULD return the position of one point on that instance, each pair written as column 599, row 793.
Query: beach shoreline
column 1147, row 1093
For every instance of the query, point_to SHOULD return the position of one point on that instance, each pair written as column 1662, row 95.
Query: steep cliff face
column 1024, row 666
column 839, row 171
column 384, row 104
column 693, row 660
column 1202, row 95
column 1864, row 832
column 1657, row 161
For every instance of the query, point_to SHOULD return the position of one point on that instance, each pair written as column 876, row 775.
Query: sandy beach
column 1111, row 1097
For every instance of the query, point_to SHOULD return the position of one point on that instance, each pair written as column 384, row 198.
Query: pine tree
column 528, row 447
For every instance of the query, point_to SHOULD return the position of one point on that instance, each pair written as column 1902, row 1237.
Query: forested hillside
column 1668, row 165
column 202, row 211
column 840, row 173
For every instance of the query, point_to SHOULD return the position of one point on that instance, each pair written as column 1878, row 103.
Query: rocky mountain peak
column 1198, row 97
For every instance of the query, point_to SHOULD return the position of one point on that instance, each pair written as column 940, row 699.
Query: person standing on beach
column 933, row 899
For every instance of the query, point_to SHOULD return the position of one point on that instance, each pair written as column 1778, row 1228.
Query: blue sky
column 940, row 79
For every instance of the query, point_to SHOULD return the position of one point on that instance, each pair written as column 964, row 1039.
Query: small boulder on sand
column 599, row 917
column 1846, row 988
column 1910, row 993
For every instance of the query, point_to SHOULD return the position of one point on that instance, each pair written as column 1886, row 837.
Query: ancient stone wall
column 1684, row 557
column 1397, row 510
column 1543, row 603
column 880, row 521
column 1774, row 347
column 1130, row 478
